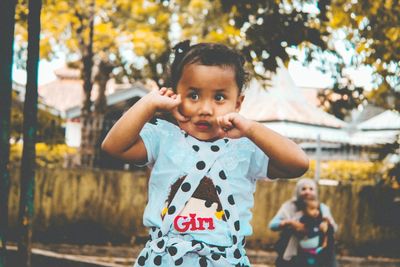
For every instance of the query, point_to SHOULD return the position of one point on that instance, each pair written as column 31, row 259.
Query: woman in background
column 287, row 220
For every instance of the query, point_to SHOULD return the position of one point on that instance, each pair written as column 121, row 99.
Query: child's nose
column 206, row 108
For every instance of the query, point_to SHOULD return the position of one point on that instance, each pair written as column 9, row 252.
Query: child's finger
column 225, row 123
column 175, row 111
column 162, row 91
column 169, row 93
column 179, row 116
column 221, row 133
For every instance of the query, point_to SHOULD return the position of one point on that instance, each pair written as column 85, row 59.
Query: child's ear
column 239, row 102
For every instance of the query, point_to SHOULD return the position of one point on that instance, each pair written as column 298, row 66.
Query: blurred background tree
column 131, row 41
column 50, row 130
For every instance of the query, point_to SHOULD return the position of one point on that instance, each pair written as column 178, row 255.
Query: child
column 315, row 238
column 212, row 148
column 287, row 221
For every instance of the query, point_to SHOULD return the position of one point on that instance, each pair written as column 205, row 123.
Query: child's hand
column 233, row 125
column 324, row 226
column 326, row 222
column 165, row 99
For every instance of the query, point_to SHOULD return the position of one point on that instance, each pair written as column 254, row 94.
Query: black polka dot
column 222, row 249
column 203, row 262
column 160, row 244
column 234, row 239
column 200, row 165
column 215, row 148
column 227, row 214
column 222, row 175
column 195, row 242
column 179, row 261
column 215, row 256
column 237, row 254
column 141, row 261
column 243, row 241
column 231, row 200
column 159, row 234
column 196, row 148
column 157, row 260
column 218, row 189
column 185, row 187
column 226, row 140
column 186, row 134
column 153, row 228
column 208, row 203
column 172, row 251
column 171, row 210
column 237, row 225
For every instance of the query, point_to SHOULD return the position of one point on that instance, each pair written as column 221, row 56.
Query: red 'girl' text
column 184, row 223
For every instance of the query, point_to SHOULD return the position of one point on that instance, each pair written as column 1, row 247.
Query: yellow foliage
column 45, row 48
column 388, row 4
column 360, row 48
column 393, row 34
column 345, row 170
column 147, row 41
column 143, row 8
column 197, row 6
column 49, row 156
column 106, row 36
column 162, row 18
column 374, row 7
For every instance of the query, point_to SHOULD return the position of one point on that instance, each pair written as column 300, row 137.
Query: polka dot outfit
column 232, row 164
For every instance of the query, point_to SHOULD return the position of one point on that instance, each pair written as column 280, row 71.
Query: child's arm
column 286, row 158
column 123, row 140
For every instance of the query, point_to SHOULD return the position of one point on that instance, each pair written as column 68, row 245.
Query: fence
column 107, row 206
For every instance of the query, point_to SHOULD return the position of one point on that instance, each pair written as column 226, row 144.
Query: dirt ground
column 67, row 255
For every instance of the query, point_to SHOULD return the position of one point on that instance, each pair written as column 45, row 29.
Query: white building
column 281, row 106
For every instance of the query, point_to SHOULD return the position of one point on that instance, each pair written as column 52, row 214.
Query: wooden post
column 318, row 159
column 29, row 131
column 86, row 150
column 7, row 21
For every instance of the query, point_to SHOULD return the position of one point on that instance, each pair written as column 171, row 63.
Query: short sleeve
column 258, row 164
column 285, row 212
column 150, row 135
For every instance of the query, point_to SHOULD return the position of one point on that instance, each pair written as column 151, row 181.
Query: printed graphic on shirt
column 201, row 211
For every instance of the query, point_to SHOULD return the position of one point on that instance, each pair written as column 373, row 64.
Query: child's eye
column 194, row 96
column 219, row 97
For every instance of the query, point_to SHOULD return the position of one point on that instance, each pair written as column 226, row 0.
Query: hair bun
column 181, row 48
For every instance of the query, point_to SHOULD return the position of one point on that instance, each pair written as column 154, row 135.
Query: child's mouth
column 203, row 125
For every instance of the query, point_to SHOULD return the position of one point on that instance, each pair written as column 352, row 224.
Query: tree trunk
column 7, row 21
column 86, row 152
column 30, row 128
column 102, row 77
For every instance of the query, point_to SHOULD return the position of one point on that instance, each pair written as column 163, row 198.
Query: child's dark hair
column 208, row 54
column 302, row 204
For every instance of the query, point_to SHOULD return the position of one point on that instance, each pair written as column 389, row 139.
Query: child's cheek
column 186, row 109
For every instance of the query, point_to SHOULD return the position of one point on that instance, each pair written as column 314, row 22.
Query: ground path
column 123, row 256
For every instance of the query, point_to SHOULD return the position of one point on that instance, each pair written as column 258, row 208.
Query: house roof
column 284, row 101
column 136, row 90
column 62, row 94
column 308, row 132
column 383, row 128
column 66, row 93
column 387, row 120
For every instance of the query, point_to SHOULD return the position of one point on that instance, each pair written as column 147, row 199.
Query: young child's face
column 207, row 92
column 312, row 209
